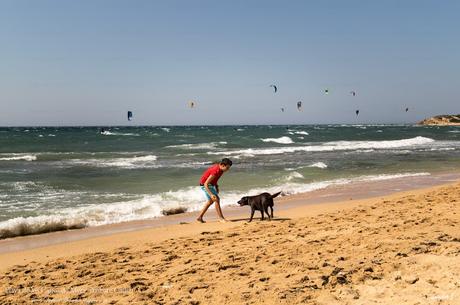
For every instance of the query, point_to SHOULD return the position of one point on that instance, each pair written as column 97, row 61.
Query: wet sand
column 401, row 248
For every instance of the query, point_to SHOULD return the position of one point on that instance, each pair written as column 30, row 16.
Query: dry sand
column 398, row 249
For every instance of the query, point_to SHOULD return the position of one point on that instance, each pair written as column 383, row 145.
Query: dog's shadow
column 259, row 220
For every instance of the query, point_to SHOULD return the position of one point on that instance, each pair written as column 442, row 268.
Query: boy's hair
column 226, row 161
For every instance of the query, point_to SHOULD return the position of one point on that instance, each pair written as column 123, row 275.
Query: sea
column 55, row 178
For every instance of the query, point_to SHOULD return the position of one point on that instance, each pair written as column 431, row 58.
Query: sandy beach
column 401, row 248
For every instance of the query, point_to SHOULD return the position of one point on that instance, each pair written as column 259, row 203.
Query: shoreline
column 402, row 248
column 46, row 246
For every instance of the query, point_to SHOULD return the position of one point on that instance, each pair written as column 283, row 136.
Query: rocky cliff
column 447, row 120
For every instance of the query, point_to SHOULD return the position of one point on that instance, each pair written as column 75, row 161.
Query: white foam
column 333, row 146
column 210, row 145
column 293, row 175
column 166, row 129
column 145, row 207
column 23, row 186
column 302, row 133
column 440, row 149
column 109, row 133
column 244, row 155
column 365, row 150
column 133, row 162
column 318, row 165
column 281, row 140
column 17, row 157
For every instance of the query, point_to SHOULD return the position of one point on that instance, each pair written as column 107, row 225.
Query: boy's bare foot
column 200, row 220
column 223, row 220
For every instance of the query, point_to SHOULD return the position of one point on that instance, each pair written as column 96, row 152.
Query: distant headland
column 442, row 120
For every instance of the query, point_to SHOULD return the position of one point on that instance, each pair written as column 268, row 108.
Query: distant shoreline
column 442, row 120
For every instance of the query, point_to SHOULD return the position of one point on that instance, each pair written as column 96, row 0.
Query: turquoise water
column 78, row 176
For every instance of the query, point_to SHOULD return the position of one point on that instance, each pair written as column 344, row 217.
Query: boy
column 208, row 184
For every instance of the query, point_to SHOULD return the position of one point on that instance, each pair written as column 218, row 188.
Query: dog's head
column 244, row 201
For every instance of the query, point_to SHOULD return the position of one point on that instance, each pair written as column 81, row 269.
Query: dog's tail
column 275, row 195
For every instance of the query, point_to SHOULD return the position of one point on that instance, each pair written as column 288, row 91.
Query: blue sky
column 68, row 62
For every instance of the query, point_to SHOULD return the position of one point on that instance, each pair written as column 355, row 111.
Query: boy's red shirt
column 215, row 171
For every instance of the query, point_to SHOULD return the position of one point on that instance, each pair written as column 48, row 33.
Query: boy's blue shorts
column 213, row 190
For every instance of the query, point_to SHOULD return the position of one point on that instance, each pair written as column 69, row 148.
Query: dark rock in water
column 173, row 211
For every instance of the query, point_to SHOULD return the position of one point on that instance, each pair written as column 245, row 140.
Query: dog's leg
column 262, row 213
column 252, row 214
column 266, row 211
column 272, row 211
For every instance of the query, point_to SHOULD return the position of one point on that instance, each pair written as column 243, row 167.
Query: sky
column 87, row 62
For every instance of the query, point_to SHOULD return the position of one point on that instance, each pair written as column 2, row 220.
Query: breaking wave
column 18, row 157
column 150, row 206
column 281, row 140
column 333, row 146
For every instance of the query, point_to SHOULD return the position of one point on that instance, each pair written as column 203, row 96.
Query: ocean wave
column 194, row 164
column 440, row 149
column 17, row 157
column 291, row 176
column 109, row 133
column 281, row 140
column 333, row 146
column 210, row 145
column 318, row 165
column 302, row 133
column 298, row 133
column 148, row 161
column 151, row 206
column 144, row 207
column 244, row 155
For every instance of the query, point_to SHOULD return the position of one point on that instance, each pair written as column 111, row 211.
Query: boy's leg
column 203, row 211
column 219, row 210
